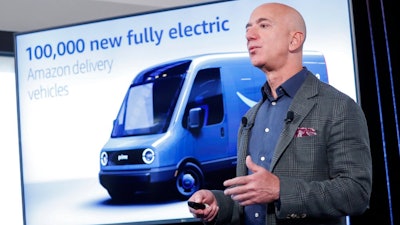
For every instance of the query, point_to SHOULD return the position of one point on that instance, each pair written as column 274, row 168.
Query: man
column 303, row 150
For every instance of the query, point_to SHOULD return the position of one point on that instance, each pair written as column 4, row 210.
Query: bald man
column 314, row 168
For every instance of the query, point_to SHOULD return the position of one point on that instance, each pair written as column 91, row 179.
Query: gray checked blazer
column 322, row 159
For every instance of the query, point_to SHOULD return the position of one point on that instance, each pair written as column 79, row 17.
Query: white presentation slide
column 72, row 80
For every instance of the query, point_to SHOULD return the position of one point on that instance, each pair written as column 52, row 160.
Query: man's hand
column 205, row 197
column 260, row 187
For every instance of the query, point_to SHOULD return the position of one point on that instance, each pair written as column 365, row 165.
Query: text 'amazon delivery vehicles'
column 177, row 126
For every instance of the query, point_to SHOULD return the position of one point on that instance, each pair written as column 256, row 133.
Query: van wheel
column 189, row 180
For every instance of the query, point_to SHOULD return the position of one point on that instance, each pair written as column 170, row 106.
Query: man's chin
column 256, row 63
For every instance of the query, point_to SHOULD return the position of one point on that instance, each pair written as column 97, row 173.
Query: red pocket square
column 304, row 132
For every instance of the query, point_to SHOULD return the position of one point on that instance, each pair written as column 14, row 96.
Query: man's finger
column 251, row 165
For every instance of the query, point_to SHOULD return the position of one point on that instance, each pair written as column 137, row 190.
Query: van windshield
column 150, row 101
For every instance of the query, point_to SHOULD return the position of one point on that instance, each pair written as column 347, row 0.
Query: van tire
column 189, row 179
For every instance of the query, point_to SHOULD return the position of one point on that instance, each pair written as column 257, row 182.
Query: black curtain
column 377, row 41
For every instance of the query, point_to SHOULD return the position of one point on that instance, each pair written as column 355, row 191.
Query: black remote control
column 196, row 205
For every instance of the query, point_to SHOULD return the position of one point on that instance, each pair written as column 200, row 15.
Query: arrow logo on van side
column 246, row 100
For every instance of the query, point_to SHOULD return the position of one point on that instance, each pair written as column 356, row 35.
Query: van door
column 209, row 140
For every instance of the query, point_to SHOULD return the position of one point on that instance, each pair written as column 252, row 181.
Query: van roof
column 308, row 56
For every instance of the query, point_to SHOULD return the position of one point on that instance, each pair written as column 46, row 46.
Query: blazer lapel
column 302, row 104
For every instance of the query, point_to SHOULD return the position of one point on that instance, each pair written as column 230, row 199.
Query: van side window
column 206, row 94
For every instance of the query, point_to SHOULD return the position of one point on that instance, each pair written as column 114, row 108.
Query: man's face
column 267, row 37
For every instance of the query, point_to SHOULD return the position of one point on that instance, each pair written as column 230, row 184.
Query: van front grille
column 127, row 157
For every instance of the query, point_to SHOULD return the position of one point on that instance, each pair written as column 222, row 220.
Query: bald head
column 288, row 16
column 275, row 37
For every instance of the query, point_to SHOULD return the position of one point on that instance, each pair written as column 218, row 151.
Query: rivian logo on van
column 122, row 157
column 246, row 100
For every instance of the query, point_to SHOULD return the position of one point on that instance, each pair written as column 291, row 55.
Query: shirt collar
column 290, row 86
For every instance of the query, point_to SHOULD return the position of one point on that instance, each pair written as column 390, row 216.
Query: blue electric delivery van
column 177, row 126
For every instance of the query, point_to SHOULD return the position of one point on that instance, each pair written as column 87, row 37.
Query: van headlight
column 148, row 155
column 103, row 158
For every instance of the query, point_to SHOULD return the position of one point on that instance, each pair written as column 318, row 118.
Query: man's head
column 275, row 35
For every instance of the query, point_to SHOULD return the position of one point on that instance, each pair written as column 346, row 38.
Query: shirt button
column 262, row 158
column 256, row 215
column 273, row 103
column 266, row 130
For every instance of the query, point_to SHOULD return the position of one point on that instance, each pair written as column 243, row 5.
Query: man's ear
column 297, row 41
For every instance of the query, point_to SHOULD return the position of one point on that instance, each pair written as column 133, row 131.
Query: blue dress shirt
column 268, row 126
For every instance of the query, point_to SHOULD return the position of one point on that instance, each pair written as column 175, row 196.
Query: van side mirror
column 195, row 118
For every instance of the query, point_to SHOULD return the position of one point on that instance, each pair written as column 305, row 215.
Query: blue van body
column 177, row 125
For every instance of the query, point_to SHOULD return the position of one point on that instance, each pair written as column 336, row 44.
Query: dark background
column 377, row 56
column 377, row 41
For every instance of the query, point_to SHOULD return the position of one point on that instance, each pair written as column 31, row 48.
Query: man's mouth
column 252, row 50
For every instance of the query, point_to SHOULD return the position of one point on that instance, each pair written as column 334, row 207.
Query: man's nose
column 250, row 34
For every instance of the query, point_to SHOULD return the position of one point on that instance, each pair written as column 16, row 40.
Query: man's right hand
column 206, row 197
